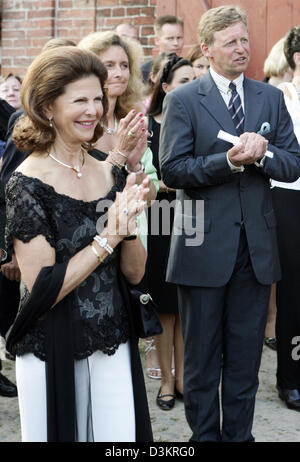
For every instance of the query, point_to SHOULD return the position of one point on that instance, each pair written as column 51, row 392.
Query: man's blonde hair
column 217, row 19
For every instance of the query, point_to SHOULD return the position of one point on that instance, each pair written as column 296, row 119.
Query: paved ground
column 273, row 421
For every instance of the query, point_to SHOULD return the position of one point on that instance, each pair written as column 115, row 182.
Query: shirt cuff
column 261, row 162
column 234, row 168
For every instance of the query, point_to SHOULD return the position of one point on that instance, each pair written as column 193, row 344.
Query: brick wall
column 141, row 13
column 28, row 24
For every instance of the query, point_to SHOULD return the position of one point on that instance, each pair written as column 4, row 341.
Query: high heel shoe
column 165, row 405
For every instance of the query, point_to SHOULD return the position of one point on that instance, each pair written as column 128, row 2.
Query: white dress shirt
column 223, row 87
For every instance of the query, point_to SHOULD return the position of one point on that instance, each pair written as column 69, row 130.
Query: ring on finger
column 131, row 134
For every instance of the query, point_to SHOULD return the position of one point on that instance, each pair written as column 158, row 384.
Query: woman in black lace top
column 68, row 218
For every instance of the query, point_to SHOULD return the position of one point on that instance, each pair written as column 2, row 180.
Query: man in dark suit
column 12, row 157
column 9, row 270
column 224, row 276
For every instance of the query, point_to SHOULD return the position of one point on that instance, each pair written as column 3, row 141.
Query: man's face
column 230, row 53
column 125, row 30
column 170, row 39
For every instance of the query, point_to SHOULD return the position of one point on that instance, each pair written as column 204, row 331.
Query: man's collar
column 223, row 83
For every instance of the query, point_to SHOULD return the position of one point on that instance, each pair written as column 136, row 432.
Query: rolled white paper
column 235, row 139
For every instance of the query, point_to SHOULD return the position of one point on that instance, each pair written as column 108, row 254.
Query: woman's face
column 10, row 92
column 201, row 66
column 77, row 111
column 182, row 75
column 117, row 64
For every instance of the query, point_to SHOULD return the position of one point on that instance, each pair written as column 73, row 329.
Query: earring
column 50, row 122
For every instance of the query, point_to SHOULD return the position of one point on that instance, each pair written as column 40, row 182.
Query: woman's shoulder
column 288, row 90
column 33, row 167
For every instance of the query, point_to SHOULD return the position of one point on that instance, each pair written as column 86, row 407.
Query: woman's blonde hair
column 194, row 53
column 44, row 81
column 98, row 43
column 276, row 63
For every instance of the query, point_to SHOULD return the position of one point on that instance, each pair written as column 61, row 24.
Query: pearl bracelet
column 138, row 172
column 102, row 241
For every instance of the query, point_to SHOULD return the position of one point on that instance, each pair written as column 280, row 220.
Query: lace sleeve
column 26, row 213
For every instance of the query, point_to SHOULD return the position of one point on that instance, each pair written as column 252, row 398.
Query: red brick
column 64, row 23
column 147, row 30
column 21, row 62
column 6, row 61
column 8, row 15
column 13, row 34
column 7, row 43
column 135, row 2
column 118, row 11
column 148, row 11
column 16, row 52
column 27, row 5
column 24, row 43
column 143, row 20
column 107, row 3
column 110, row 22
column 45, row 23
column 133, row 11
column 75, row 13
column 40, row 14
column 65, row 4
column 33, row 51
column 41, row 33
column 39, row 42
column 106, row 12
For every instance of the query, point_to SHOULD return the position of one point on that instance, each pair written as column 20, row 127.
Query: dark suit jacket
column 12, row 157
column 2, row 217
column 194, row 161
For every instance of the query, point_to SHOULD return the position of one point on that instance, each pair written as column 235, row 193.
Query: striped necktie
column 236, row 109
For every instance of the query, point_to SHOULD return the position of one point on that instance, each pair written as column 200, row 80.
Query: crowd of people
column 99, row 152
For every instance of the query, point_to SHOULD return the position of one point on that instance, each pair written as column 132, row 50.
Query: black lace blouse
column 99, row 316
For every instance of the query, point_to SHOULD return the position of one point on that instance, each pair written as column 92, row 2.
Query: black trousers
column 9, row 302
column 223, row 330
column 286, row 205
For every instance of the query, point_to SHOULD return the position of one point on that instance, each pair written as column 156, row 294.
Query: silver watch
column 102, row 241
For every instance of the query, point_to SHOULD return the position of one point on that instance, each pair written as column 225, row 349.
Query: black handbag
column 141, row 309
column 144, row 312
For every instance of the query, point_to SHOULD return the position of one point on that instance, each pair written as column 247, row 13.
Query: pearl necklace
column 76, row 168
column 111, row 131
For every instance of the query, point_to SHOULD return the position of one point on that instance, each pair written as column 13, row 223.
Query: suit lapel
column 214, row 104
column 253, row 102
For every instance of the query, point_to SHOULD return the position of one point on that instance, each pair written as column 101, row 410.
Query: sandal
column 151, row 347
